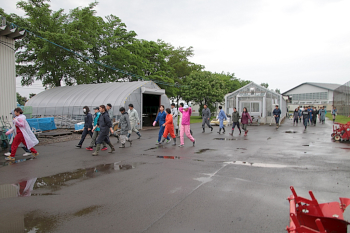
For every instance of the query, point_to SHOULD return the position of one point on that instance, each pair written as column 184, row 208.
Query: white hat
column 186, row 106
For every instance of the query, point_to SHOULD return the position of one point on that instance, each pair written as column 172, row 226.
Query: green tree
column 181, row 68
column 41, row 60
column 21, row 99
column 205, row 88
column 278, row 91
column 31, row 95
column 266, row 85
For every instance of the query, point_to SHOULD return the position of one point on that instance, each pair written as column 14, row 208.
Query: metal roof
column 252, row 84
column 13, row 33
column 328, row 86
column 87, row 94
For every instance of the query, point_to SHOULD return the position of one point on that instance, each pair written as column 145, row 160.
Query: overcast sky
column 283, row 43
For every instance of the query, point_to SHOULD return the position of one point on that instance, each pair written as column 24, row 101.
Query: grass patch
column 197, row 119
column 339, row 118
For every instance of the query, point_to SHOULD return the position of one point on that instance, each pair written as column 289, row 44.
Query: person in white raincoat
column 27, row 152
column 175, row 114
column 23, row 135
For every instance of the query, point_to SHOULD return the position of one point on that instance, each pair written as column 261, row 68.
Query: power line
column 99, row 63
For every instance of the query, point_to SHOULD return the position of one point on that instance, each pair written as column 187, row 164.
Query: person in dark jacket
column 306, row 116
column 314, row 116
column 277, row 114
column 96, row 131
column 206, row 118
column 235, row 121
column 296, row 117
column 87, row 126
column 124, row 125
column 309, row 109
column 105, row 125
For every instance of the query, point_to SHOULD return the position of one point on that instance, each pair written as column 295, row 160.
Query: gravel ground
column 65, row 138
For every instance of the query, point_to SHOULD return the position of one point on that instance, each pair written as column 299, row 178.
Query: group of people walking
column 168, row 123
column 99, row 126
column 309, row 115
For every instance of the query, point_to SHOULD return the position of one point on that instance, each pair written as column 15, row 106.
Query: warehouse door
column 150, row 106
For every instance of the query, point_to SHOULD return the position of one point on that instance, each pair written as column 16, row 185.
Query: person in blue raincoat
column 221, row 117
column 161, row 120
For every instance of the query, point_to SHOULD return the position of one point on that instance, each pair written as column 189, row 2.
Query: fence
column 341, row 99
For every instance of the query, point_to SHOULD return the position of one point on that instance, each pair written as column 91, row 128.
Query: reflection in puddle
column 204, row 150
column 290, row 131
column 55, row 182
column 257, row 164
column 169, row 157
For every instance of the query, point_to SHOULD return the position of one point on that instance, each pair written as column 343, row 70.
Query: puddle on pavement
column 241, row 148
column 204, row 150
column 226, row 139
column 36, row 186
column 36, row 221
column 290, row 131
column 169, row 157
column 265, row 165
column 86, row 211
column 306, row 145
column 40, row 222
column 153, row 148
column 7, row 163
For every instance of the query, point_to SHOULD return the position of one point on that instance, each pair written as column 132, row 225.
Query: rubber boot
column 203, row 130
column 224, row 130
column 212, row 129
column 138, row 134
column 98, row 147
column 162, row 142
column 232, row 132
column 240, row 131
column 174, row 140
column 219, row 131
column 122, row 146
column 112, row 147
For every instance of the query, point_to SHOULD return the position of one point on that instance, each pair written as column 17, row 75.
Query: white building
column 309, row 93
column 259, row 101
column 8, row 36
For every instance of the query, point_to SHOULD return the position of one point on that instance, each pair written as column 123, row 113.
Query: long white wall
column 7, row 77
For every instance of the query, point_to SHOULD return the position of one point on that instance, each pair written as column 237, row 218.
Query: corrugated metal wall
column 7, row 76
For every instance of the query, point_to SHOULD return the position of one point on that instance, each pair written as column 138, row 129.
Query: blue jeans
column 85, row 132
column 277, row 119
column 161, row 132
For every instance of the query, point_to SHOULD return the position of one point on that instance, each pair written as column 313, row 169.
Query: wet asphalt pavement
column 235, row 185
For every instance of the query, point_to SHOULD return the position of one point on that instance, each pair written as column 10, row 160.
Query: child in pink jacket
column 185, row 125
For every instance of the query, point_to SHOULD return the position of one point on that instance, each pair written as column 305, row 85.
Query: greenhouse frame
column 66, row 103
column 259, row 101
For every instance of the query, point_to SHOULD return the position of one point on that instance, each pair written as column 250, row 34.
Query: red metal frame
column 308, row 216
column 341, row 131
